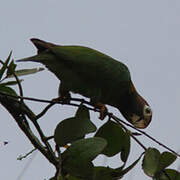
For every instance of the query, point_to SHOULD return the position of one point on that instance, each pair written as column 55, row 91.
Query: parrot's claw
column 103, row 110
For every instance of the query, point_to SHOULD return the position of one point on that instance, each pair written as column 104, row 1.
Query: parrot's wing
column 92, row 65
column 86, row 62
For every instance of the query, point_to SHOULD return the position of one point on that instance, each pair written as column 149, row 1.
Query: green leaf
column 114, row 136
column 118, row 173
column 107, row 173
column 154, row 163
column 125, row 147
column 83, row 169
column 11, row 68
column 126, row 170
column 166, row 159
column 67, row 178
column 83, row 112
column 74, row 128
column 11, row 83
column 151, row 161
column 168, row 174
column 7, row 90
column 72, row 178
column 77, row 158
column 104, row 173
column 24, row 72
column 85, row 149
column 4, row 67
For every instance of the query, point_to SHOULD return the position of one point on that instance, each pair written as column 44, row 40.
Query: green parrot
column 94, row 75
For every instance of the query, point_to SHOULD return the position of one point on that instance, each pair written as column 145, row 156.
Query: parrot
column 95, row 75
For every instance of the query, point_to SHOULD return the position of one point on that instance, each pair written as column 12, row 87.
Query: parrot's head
column 139, row 115
column 137, row 112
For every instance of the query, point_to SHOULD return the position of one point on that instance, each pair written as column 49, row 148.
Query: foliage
column 76, row 161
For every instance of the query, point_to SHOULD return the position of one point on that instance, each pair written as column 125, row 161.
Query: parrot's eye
column 147, row 111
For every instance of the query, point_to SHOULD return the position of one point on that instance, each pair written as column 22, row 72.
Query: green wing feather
column 97, row 71
column 91, row 63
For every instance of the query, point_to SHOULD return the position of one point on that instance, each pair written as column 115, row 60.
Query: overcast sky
column 144, row 34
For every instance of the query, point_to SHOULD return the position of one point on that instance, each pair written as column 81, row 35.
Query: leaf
column 154, row 163
column 151, row 161
column 168, row 174
column 119, row 172
column 7, row 90
column 24, row 72
column 77, row 158
column 82, row 112
column 107, row 173
column 125, row 147
column 11, row 68
column 67, row 131
column 4, row 67
column 114, row 136
column 76, row 168
column 11, row 83
column 103, row 173
column 166, row 159
column 74, row 128
column 71, row 178
column 85, row 149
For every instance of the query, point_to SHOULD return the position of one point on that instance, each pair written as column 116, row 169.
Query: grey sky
column 142, row 34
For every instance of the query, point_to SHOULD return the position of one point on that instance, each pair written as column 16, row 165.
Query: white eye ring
column 147, row 111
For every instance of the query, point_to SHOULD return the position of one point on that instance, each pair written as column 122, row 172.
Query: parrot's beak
column 140, row 122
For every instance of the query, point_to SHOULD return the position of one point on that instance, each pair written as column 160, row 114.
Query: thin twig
column 23, row 171
column 138, row 141
column 59, row 169
column 27, row 154
column 45, row 110
column 48, row 138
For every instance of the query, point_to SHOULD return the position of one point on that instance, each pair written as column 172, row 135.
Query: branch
column 110, row 115
column 27, row 154
column 15, row 108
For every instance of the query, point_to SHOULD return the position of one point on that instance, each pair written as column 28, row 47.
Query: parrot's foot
column 64, row 99
column 103, row 110
column 66, row 146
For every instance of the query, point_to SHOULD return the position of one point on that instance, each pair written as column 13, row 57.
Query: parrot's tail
column 42, row 48
column 35, row 58
column 42, row 45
